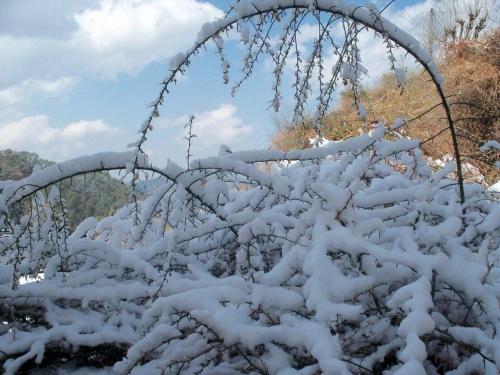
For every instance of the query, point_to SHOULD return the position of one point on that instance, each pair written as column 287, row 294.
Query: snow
column 225, row 256
column 490, row 145
column 495, row 188
column 175, row 63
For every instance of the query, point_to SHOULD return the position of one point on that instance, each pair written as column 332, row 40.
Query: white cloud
column 212, row 128
column 220, row 126
column 124, row 36
column 106, row 39
column 34, row 134
column 29, row 89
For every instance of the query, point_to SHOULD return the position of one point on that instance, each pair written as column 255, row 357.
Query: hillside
column 472, row 82
column 97, row 195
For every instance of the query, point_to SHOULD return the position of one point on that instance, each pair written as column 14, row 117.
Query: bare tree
column 450, row 21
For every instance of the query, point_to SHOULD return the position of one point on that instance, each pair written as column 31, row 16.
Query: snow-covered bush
column 357, row 257
column 351, row 257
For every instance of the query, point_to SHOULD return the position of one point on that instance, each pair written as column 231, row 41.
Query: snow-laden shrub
column 352, row 257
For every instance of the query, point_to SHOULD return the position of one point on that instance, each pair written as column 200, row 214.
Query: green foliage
column 15, row 165
column 96, row 195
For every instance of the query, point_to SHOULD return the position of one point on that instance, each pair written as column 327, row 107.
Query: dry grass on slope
column 472, row 83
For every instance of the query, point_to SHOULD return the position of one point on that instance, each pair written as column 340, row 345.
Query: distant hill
column 92, row 195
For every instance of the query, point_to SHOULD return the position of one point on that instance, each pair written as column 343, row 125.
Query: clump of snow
column 495, row 187
column 471, row 173
column 490, row 145
column 176, row 61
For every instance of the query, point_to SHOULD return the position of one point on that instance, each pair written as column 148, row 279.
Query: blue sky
column 76, row 77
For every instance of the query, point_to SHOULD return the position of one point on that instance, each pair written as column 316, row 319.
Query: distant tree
column 15, row 165
column 451, row 21
column 96, row 195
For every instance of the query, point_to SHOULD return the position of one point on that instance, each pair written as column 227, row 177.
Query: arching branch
column 366, row 16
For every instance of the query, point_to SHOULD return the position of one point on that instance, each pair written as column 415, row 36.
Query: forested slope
column 97, row 195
